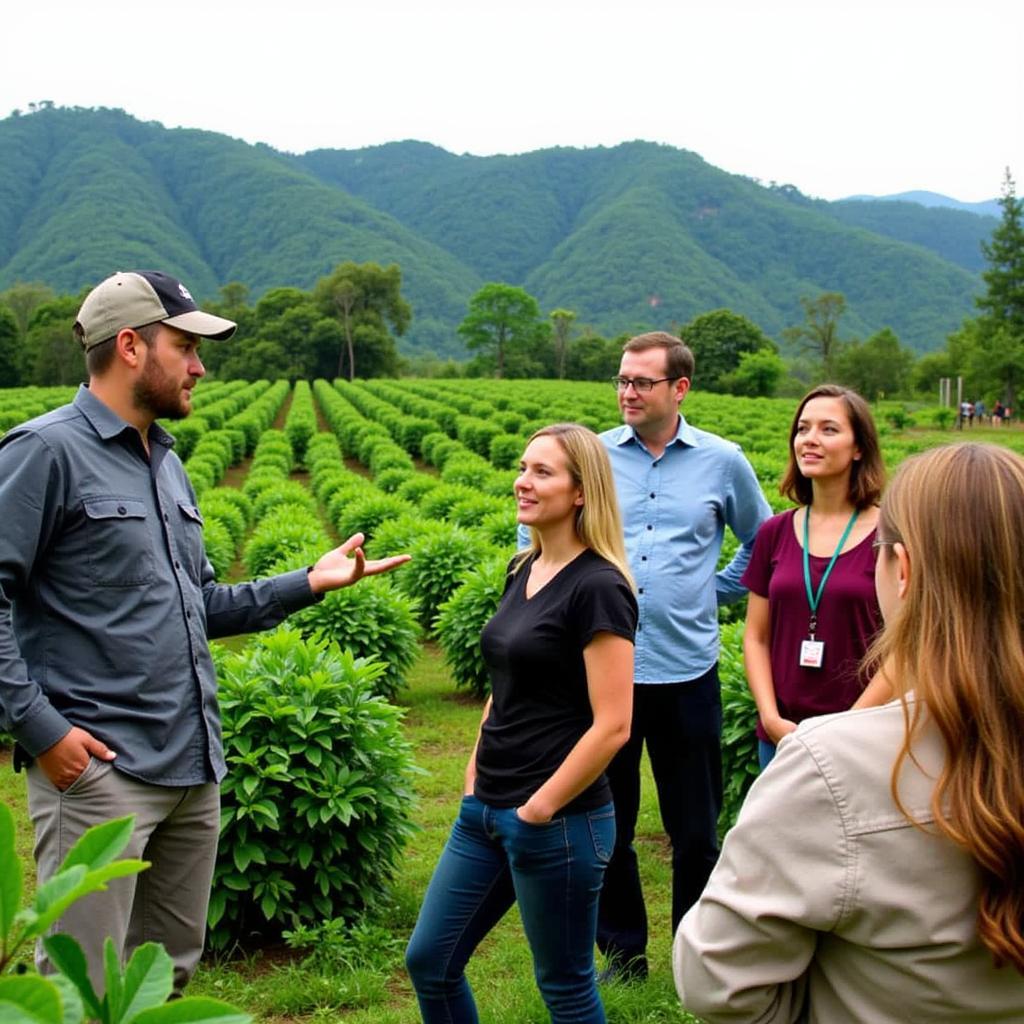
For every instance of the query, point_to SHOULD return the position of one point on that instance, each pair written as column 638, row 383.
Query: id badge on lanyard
column 812, row 650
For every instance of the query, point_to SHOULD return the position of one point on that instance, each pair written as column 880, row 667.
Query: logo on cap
column 185, row 292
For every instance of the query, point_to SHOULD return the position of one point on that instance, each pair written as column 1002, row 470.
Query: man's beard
column 158, row 394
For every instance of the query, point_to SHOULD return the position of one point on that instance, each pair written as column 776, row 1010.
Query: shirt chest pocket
column 192, row 538
column 118, row 542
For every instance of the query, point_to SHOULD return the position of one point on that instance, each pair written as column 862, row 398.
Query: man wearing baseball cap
column 107, row 600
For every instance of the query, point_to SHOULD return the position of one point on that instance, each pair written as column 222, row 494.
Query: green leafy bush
column 900, row 419
column 186, row 434
column 220, row 548
column 389, row 480
column 316, row 801
column 365, row 514
column 466, row 469
column 215, row 505
column 500, row 483
column 344, row 493
column 287, row 492
column 388, row 455
column 372, row 620
column 234, row 496
column 739, row 720
column 461, row 618
column 337, row 945
column 500, row 529
column 413, row 430
column 396, row 536
column 472, row 511
column 414, row 487
column 506, row 450
column 300, row 424
column 438, row 448
column 201, row 475
column 438, row 502
column 136, row 994
column 440, row 558
column 284, row 530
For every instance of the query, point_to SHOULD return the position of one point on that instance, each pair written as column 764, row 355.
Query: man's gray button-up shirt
column 107, row 597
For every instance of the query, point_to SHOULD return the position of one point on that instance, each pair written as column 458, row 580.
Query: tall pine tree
column 1002, row 305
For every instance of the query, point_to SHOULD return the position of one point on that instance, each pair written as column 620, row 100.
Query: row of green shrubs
column 20, row 404
column 316, row 805
column 227, row 410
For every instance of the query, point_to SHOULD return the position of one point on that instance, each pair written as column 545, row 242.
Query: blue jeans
column 765, row 753
column 492, row 860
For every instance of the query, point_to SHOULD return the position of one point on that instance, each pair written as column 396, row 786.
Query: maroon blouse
column 848, row 618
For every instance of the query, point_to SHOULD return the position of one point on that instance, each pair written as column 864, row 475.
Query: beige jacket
column 827, row 906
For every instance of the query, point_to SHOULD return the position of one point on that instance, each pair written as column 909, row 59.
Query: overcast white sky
column 836, row 97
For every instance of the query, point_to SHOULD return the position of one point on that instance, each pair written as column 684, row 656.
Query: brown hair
column 100, row 356
column 679, row 361
column 867, row 474
column 957, row 641
column 598, row 522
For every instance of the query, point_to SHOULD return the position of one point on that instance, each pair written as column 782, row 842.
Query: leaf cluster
column 739, row 718
column 136, row 994
column 461, row 619
column 316, row 803
column 374, row 621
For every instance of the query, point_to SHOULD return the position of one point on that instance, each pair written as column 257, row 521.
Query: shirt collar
column 108, row 424
column 685, row 435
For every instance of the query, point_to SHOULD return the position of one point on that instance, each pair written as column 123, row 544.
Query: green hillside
column 643, row 234
column 635, row 236
column 83, row 193
column 955, row 235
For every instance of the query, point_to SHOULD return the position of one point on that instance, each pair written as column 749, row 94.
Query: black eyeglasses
column 640, row 384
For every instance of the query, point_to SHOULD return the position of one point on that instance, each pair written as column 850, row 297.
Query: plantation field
column 345, row 772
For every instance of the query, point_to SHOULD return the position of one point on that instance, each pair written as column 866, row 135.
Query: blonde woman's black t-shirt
column 534, row 653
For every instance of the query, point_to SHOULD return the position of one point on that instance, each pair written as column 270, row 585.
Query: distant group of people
column 874, row 871
column 971, row 411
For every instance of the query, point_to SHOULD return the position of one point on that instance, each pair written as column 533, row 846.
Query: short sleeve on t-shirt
column 605, row 605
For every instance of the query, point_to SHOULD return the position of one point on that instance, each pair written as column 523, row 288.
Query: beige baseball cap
column 135, row 298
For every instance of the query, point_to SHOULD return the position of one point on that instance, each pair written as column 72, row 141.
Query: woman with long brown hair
column 876, row 872
column 812, row 611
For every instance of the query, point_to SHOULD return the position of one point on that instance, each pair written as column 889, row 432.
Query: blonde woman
column 536, row 825
column 875, row 873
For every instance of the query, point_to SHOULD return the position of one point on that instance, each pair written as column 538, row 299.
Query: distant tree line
column 348, row 323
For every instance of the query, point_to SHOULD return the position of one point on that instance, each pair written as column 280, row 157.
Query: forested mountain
column 987, row 208
column 84, row 193
column 955, row 235
column 638, row 235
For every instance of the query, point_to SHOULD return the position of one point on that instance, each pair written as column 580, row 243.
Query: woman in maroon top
column 812, row 611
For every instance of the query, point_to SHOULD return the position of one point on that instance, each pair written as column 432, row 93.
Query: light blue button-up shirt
column 675, row 509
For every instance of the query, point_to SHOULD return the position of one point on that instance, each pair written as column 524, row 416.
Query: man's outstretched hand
column 348, row 564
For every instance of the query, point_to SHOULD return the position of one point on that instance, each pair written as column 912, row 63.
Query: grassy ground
column 367, row 984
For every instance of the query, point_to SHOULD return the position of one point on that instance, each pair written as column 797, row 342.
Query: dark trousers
column 681, row 723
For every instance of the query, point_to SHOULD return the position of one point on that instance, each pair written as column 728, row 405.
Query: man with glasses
column 678, row 488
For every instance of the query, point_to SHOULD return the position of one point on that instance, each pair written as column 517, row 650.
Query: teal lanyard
column 815, row 599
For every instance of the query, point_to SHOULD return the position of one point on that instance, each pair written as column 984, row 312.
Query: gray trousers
column 176, row 830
